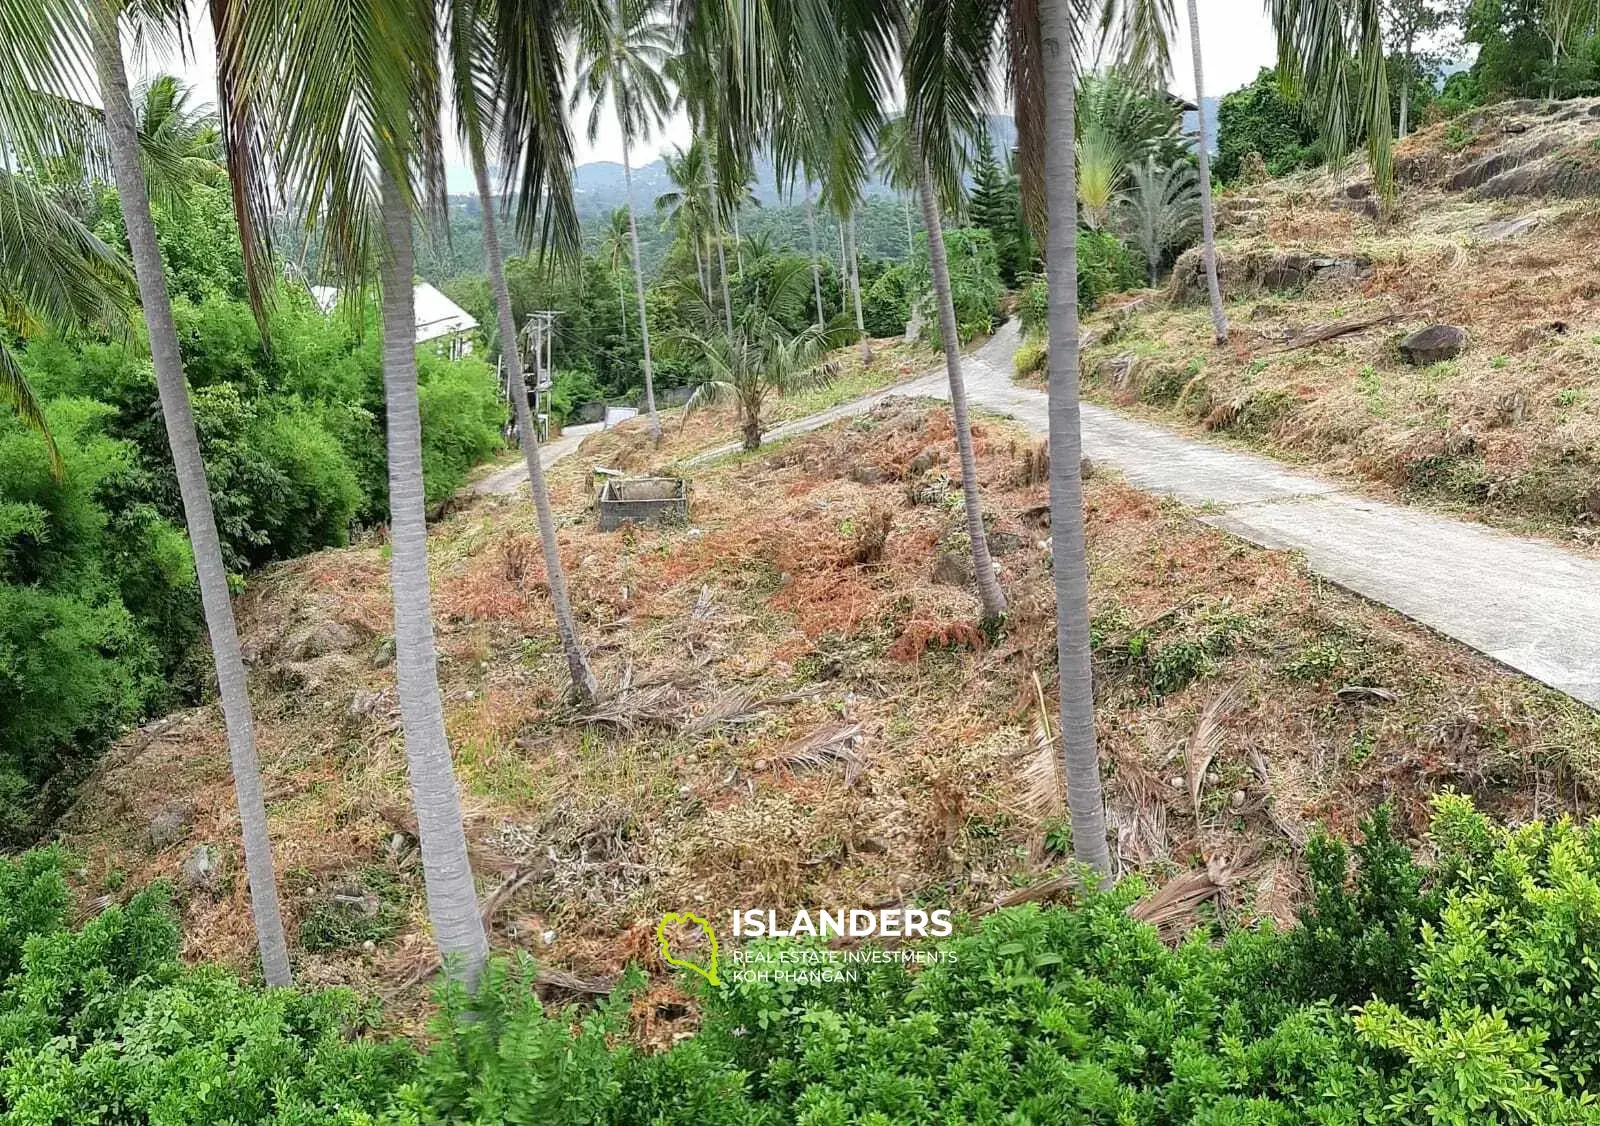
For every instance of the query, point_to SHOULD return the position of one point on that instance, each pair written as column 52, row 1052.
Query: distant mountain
column 599, row 185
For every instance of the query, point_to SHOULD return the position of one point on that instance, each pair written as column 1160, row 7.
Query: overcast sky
column 1234, row 35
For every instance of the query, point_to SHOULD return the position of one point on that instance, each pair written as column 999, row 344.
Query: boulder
column 1433, row 345
column 319, row 638
column 383, row 655
column 953, row 568
column 202, row 868
column 171, row 825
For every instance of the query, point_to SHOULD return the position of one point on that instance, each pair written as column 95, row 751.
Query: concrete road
column 505, row 481
column 1529, row 604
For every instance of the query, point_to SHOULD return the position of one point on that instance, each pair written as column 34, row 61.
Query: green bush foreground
column 1464, row 991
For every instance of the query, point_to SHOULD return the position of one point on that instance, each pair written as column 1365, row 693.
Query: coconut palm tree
column 1059, row 34
column 940, row 128
column 179, row 144
column 689, row 205
column 816, row 266
column 356, row 91
column 760, row 357
column 486, row 39
column 950, row 66
column 123, row 149
column 623, row 48
column 1202, row 152
column 614, row 252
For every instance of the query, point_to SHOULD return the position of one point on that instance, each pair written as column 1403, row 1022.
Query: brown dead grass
column 1509, row 432
column 789, row 727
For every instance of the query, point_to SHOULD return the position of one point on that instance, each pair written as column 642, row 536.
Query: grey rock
column 953, row 568
column 1502, row 229
column 320, row 638
column 354, row 900
column 202, row 868
column 1004, row 543
column 1433, row 345
column 171, row 825
column 923, row 462
column 383, row 655
column 867, row 475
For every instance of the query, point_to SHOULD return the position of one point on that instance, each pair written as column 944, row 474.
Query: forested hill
column 600, row 185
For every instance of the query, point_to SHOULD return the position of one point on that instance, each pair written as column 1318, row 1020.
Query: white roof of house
column 437, row 315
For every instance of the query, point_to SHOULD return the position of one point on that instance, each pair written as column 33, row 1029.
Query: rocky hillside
column 1493, row 413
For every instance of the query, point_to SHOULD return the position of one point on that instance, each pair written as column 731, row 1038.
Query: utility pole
column 541, row 332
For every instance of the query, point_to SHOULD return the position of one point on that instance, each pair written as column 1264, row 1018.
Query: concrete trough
column 643, row 500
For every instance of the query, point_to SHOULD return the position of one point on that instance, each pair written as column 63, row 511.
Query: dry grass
column 790, row 726
column 1509, row 432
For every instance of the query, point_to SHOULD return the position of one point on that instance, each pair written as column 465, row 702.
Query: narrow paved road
column 1526, row 603
column 507, row 480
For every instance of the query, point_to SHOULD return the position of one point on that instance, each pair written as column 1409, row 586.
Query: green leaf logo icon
column 672, row 918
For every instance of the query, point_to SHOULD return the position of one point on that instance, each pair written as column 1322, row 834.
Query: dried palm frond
column 827, row 745
column 656, row 704
column 1206, row 741
column 1043, row 787
column 1171, row 909
column 1142, row 825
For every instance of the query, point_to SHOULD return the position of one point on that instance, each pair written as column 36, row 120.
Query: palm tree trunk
column 638, row 292
column 816, row 270
column 1208, row 222
column 446, row 869
column 122, row 137
column 722, row 267
column 1405, row 88
column 994, row 600
column 911, row 238
column 584, row 685
column 855, row 285
column 700, row 271
column 622, row 307
column 1080, row 760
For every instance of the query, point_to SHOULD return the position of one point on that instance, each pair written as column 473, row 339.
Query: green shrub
column 1457, row 992
column 96, row 608
column 571, row 390
column 1032, row 356
column 461, row 419
column 886, row 305
column 1106, row 265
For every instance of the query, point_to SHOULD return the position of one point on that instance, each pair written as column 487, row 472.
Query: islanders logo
column 686, row 919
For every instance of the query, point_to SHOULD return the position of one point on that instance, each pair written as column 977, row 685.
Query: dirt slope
column 1493, row 232
column 803, row 713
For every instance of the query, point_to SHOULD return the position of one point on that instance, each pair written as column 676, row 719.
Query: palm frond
column 52, row 266
column 1138, row 34
column 1322, row 46
column 14, row 390
column 355, row 91
column 246, row 141
column 534, row 133
column 43, row 53
column 951, row 55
